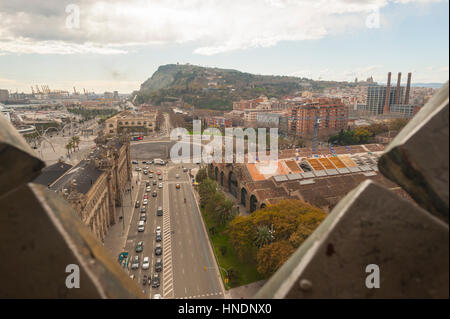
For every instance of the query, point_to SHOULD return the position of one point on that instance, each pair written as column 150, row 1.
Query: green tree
column 201, row 175
column 273, row 256
column 263, row 236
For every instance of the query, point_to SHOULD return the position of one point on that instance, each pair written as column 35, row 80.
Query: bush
column 223, row 250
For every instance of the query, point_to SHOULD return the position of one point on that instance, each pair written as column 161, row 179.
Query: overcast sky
column 118, row 44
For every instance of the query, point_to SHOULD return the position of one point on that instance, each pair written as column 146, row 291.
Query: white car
column 147, row 189
column 158, row 228
column 177, row 176
column 145, row 202
column 146, row 263
column 160, row 185
column 138, row 169
column 157, row 296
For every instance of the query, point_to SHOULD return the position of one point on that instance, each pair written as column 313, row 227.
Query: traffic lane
column 208, row 278
column 191, row 281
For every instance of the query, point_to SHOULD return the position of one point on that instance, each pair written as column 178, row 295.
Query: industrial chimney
column 398, row 97
column 388, row 94
column 408, row 87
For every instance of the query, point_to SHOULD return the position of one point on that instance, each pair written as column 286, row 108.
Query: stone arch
column 232, row 184
column 216, row 172
column 244, row 197
column 253, row 203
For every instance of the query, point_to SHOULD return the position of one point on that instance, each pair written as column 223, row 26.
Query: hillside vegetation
column 216, row 89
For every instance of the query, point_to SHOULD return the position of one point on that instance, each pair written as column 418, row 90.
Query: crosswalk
column 168, row 291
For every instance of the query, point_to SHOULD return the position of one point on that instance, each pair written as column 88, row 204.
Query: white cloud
column 111, row 27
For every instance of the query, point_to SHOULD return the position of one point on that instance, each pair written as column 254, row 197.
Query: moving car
column 143, row 217
column 141, row 226
column 158, row 265
column 154, row 194
column 155, row 280
column 145, row 172
column 160, row 185
column 158, row 249
column 140, row 247
column 135, row 263
column 146, row 263
column 177, row 176
column 147, row 189
column 158, row 236
column 143, row 210
column 137, row 204
column 145, row 202
column 177, row 186
column 159, row 211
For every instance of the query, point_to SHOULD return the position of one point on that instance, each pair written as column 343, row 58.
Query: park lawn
column 247, row 272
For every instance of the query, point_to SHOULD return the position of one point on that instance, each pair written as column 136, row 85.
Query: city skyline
column 103, row 55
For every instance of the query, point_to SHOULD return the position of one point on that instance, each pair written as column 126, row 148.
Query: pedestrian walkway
column 117, row 234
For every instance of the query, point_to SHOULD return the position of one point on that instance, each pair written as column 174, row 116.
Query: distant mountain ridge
column 216, row 88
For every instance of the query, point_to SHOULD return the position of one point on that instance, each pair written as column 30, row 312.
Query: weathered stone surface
column 40, row 236
column 18, row 164
column 418, row 157
column 371, row 225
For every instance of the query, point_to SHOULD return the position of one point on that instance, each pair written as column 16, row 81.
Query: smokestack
column 408, row 87
column 398, row 97
column 388, row 94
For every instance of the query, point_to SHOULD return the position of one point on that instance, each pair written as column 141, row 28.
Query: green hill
column 215, row 88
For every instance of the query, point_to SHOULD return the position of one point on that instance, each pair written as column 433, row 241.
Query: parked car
column 159, row 211
column 138, row 169
column 160, row 185
column 158, row 228
column 147, row 183
column 154, row 194
column 157, row 296
column 135, row 263
column 146, row 263
column 155, row 182
column 134, row 162
column 140, row 247
column 147, row 189
column 145, row 172
column 177, row 176
column 185, row 170
column 158, row 236
column 150, row 175
column 160, row 178
column 143, row 217
column 158, row 249
column 144, row 280
column 143, row 210
column 178, row 186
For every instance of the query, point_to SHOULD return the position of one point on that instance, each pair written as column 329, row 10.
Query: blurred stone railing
column 376, row 244
column 42, row 241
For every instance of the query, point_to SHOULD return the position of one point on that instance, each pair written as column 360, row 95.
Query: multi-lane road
column 189, row 266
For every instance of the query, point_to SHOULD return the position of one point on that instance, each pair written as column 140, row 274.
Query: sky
column 118, row 44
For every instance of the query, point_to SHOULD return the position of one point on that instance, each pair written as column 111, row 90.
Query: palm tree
column 224, row 211
column 76, row 141
column 263, row 236
column 68, row 147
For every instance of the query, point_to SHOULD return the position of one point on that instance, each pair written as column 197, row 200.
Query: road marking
column 167, row 243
